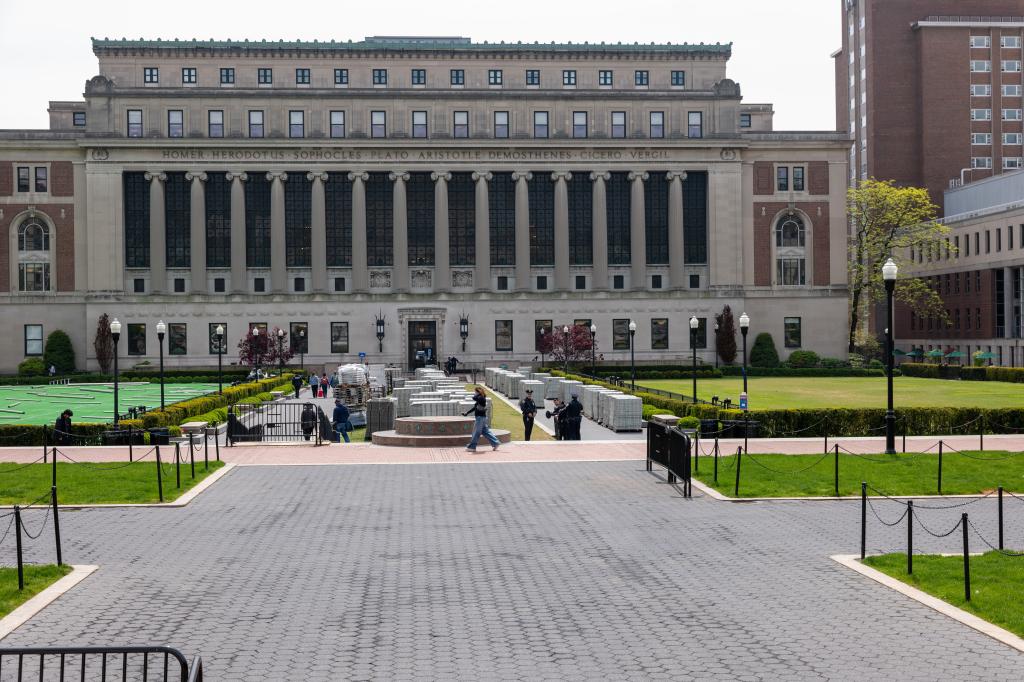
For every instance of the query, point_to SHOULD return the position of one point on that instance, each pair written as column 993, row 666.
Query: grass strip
column 505, row 417
column 898, row 475
column 995, row 583
column 37, row 579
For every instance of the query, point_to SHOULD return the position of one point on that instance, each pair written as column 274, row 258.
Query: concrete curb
column 481, row 461
column 945, row 608
column 711, row 492
column 18, row 616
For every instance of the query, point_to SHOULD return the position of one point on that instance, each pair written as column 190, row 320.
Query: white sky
column 781, row 48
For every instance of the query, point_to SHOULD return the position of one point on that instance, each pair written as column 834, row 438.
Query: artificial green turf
column 99, row 483
column 901, row 474
column 37, row 579
column 818, row 392
column 90, row 402
column 996, row 580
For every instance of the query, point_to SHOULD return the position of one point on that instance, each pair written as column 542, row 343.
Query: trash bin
column 160, row 436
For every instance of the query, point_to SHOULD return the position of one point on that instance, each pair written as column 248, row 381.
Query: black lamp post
column 380, row 331
column 716, row 345
column 464, row 330
column 632, row 356
column 541, row 344
column 280, row 351
column 694, row 324
column 256, row 349
column 302, row 350
column 593, row 350
column 161, row 329
column 565, row 349
column 744, row 326
column 889, row 272
column 115, row 333
column 218, row 334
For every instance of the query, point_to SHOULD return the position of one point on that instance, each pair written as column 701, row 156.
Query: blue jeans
column 480, row 428
column 343, row 430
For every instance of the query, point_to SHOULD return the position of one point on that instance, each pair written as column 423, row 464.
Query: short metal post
column 1000, row 517
column 53, row 467
column 863, row 519
column 130, row 452
column 17, row 536
column 650, row 444
column 56, row 523
column 177, row 467
column 837, row 468
column 940, row 467
column 981, row 434
column 206, row 449
column 696, row 453
column 159, row 475
column 967, row 560
column 739, row 458
column 746, row 432
column 910, row 537
column 716, row 459
column 192, row 456
column 216, row 443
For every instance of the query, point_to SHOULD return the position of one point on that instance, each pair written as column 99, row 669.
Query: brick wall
column 64, row 234
column 817, row 181
column 764, row 234
column 62, row 179
column 764, row 182
column 6, row 178
column 983, row 300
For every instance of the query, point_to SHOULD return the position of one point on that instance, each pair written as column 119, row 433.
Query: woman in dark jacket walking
column 480, row 428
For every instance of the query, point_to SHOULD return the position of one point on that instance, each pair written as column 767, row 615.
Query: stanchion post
column 44, row 445
column 159, row 475
column 739, row 458
column 967, row 560
column 695, row 448
column 17, row 537
column 130, row 452
column 910, row 537
column 1000, row 517
column 940, row 468
column 746, row 432
column 53, row 467
column 650, row 444
column 836, row 459
column 716, row 459
column 191, row 457
column 177, row 467
column 863, row 519
column 206, row 449
column 981, row 434
column 56, row 524
column 216, row 443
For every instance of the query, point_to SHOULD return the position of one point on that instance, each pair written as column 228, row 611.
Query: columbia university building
column 321, row 186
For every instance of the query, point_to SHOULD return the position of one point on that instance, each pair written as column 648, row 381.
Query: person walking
column 308, row 420
column 557, row 417
column 480, row 428
column 342, row 425
column 574, row 417
column 297, row 385
column 325, row 384
column 314, row 385
column 62, row 428
column 529, row 410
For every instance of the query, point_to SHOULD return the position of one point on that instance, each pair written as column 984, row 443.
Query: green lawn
column 107, row 483
column 797, row 392
column 900, row 475
column 37, row 579
column 511, row 420
column 996, row 595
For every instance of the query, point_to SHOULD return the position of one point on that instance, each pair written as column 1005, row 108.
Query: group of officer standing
column 566, row 417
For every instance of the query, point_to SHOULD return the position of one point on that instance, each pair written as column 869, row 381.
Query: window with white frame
column 981, row 90
column 337, row 124
column 981, row 66
column 378, row 124
column 296, row 124
column 1011, row 90
column 981, row 138
column 1009, row 42
column 981, row 114
column 695, row 124
column 540, row 124
column 189, row 76
column 1012, row 138
column 619, row 124
column 579, row 124
column 1011, row 162
column 981, row 162
column 215, row 123
column 1011, row 114
column 256, row 123
column 1011, row 66
column 33, row 256
column 981, row 41
column 175, row 123
column 501, row 124
column 460, row 124
column 657, row 123
column 33, row 339
column 419, row 124
column 790, row 251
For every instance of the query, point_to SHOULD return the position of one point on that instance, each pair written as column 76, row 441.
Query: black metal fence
column 670, row 448
column 278, row 422
column 98, row 663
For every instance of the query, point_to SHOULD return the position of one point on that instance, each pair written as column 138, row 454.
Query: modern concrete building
column 931, row 90
column 979, row 279
column 323, row 186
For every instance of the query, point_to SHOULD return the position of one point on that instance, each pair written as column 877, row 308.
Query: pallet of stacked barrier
column 536, row 386
column 513, row 384
column 570, row 387
column 602, row 406
column 587, row 398
column 403, row 395
column 539, row 376
column 625, row 413
column 553, row 388
column 381, row 414
column 595, row 400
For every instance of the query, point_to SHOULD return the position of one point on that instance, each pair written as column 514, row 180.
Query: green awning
column 957, row 354
column 986, row 356
column 935, row 353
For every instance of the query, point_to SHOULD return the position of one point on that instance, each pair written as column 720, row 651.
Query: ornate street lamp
column 280, row 351
column 115, row 333
column 593, row 350
column 256, row 349
column 218, row 334
column 302, row 350
column 161, row 329
column 744, row 326
column 541, row 344
column 694, row 324
column 632, row 355
column 380, row 331
column 716, row 345
column 565, row 343
column 889, row 272
column 464, row 330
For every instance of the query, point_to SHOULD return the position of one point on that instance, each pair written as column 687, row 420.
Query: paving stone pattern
column 562, row 571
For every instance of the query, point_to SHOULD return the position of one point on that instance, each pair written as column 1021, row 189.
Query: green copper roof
column 405, row 43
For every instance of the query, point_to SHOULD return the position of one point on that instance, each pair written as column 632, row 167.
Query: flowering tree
column 253, row 350
column 279, row 351
column 725, row 336
column 576, row 346
column 103, row 344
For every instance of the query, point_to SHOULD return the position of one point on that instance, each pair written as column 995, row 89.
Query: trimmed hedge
column 733, row 371
column 928, row 371
column 19, row 435
column 187, row 410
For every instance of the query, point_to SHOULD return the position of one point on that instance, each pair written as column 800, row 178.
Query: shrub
column 802, row 372
column 875, row 363
column 688, row 423
column 1012, row 374
column 59, row 353
column 974, row 373
column 31, row 367
column 856, row 360
column 648, row 411
column 763, row 354
column 803, row 358
column 834, row 363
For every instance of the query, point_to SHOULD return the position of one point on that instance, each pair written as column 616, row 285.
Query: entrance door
column 422, row 344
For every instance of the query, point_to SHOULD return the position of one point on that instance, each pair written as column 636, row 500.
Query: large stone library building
column 322, row 186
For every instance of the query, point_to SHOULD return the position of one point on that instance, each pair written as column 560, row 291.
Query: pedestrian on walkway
column 574, row 417
column 62, row 428
column 297, row 385
column 342, row 425
column 557, row 417
column 308, row 420
column 314, row 384
column 325, row 384
column 480, row 428
column 529, row 410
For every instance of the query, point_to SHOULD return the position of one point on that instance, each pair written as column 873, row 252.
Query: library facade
column 400, row 194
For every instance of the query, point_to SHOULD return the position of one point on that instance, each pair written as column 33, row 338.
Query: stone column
column 442, row 266
column 239, row 282
column 561, row 179
column 318, row 238
column 278, row 243
column 637, row 232
column 600, row 238
column 482, row 231
column 360, row 272
column 676, row 253
column 522, row 229
column 197, row 230
column 157, row 232
column 400, row 240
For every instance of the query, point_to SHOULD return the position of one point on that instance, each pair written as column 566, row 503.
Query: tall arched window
column 790, row 251
column 33, row 256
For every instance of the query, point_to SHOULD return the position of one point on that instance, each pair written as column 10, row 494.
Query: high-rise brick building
column 931, row 89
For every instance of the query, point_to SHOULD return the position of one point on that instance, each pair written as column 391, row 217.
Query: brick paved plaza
column 560, row 570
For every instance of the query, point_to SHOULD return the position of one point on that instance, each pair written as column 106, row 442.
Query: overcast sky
column 780, row 49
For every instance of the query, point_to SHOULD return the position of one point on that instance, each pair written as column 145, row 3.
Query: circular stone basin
column 432, row 432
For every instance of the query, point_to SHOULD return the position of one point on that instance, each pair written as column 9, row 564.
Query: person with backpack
column 308, row 420
column 480, row 428
column 529, row 410
column 314, row 384
column 342, row 425
column 325, row 385
column 62, row 428
column 297, row 385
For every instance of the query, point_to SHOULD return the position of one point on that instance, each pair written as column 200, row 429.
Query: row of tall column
column 400, row 270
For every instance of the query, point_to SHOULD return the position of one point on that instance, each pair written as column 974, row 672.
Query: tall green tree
column 889, row 221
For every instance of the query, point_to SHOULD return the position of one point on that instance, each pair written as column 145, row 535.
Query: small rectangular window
column 136, row 339
column 341, row 76
column 218, row 285
column 460, row 124
column 542, row 282
column 579, row 124
column 418, row 77
column 1011, row 66
column 540, row 124
column 533, row 77
column 151, row 75
column 255, row 123
column 999, row 239
column 457, row 76
column 175, row 123
column 302, row 76
column 744, row 120
column 339, row 284
column 618, row 282
column 981, row 162
column 1012, row 162
column 981, row 90
column 981, row 41
column 33, row 339
column 655, row 281
column 657, row 124
column 792, row 332
column 189, row 76
column 659, row 334
column 378, row 124
column 503, row 335
column 337, row 124
column 678, row 79
column 216, row 123
column 135, row 123
column 296, row 124
column 581, row 282
column 980, row 66
column 782, row 179
column 1011, row 114
column 419, row 124
column 41, row 179
column 1009, row 41
column 179, row 285
column 494, row 77
column 300, row 284
column 1011, row 90
column 798, row 178
column 604, row 78
column 569, row 77
column 227, row 76
column 502, row 283
column 139, row 285
column 641, row 79
column 78, row 119
column 981, row 138
column 259, row 285
column 981, row 114
column 24, row 179
column 380, row 77
column 265, row 76
column 339, row 337
column 618, row 124
column 695, row 124
column 501, row 124
column 695, row 281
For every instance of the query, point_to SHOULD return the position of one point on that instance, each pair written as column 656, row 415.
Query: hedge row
column 95, row 378
column 733, row 371
column 186, row 410
column 1009, row 374
column 682, row 371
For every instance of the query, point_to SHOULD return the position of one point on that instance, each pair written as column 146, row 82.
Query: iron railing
column 278, row 422
column 670, row 448
column 99, row 663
